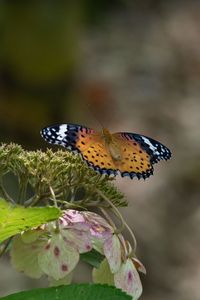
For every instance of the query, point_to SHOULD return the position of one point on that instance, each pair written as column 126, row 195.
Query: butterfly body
column 130, row 154
column 111, row 145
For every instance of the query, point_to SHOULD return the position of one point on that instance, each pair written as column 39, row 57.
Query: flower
column 120, row 267
column 54, row 248
column 127, row 279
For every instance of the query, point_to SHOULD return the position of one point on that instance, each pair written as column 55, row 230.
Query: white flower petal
column 103, row 274
column 24, row 256
column 127, row 279
column 112, row 251
column 58, row 259
column 64, row 281
column 81, row 240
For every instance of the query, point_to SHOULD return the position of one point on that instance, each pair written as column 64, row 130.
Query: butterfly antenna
column 94, row 115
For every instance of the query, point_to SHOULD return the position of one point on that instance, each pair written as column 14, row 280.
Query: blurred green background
column 134, row 66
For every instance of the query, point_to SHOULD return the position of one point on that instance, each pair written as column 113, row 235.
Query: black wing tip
column 42, row 132
column 166, row 156
column 154, row 148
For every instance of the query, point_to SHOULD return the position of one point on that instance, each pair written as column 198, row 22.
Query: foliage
column 72, row 292
column 15, row 219
column 73, row 183
column 49, row 232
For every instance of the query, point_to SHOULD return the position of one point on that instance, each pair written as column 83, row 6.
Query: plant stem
column 121, row 218
column 5, row 194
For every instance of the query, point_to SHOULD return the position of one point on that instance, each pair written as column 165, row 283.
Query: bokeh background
column 134, row 66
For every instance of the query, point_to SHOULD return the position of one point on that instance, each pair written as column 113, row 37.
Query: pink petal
column 98, row 226
column 71, row 216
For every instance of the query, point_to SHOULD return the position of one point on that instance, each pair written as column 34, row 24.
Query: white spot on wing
column 151, row 146
column 61, row 132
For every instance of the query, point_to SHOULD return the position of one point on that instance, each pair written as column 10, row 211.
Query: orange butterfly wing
column 94, row 151
column 134, row 160
column 129, row 153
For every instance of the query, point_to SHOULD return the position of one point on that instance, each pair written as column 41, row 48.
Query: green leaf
column 15, row 219
column 93, row 258
column 72, row 292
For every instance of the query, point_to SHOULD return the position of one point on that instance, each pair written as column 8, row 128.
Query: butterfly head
column 107, row 136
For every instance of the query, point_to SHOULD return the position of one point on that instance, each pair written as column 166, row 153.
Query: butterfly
column 129, row 154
